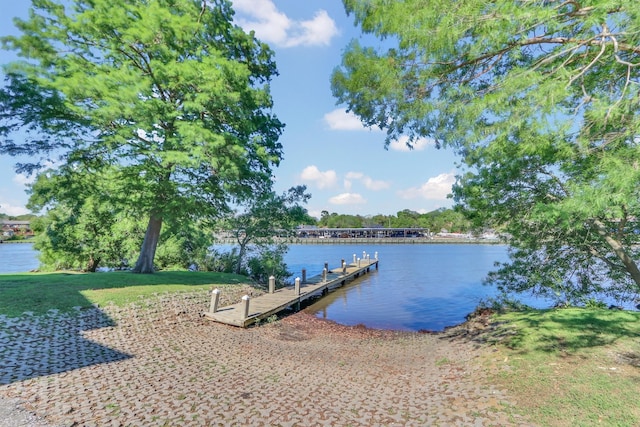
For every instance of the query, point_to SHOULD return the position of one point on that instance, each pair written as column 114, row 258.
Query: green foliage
column 538, row 100
column 168, row 96
column 593, row 303
column 437, row 220
column 265, row 217
column 225, row 262
column 269, row 261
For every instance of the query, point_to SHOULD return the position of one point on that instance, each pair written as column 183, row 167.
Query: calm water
column 17, row 257
column 416, row 286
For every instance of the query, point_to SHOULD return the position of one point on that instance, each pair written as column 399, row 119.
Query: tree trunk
column 241, row 254
column 619, row 250
column 92, row 264
column 148, row 250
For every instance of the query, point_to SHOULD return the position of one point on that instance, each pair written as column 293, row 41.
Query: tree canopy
column 168, row 95
column 540, row 100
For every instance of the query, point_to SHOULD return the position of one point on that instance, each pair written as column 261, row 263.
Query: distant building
column 11, row 228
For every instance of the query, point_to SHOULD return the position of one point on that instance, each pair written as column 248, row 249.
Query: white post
column 376, row 255
column 272, row 284
column 215, row 299
column 358, row 262
column 354, row 258
column 364, row 255
column 344, row 267
column 297, row 286
column 324, row 274
column 245, row 302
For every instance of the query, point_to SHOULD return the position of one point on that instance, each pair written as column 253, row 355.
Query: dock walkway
column 252, row 310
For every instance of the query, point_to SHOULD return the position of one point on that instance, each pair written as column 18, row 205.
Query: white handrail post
column 215, row 299
column 297, row 286
column 272, row 284
column 245, row 302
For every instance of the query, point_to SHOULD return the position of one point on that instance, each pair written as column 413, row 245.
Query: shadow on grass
column 550, row 331
column 43, row 317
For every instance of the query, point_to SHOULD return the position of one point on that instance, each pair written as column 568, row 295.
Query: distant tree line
column 442, row 219
column 25, row 217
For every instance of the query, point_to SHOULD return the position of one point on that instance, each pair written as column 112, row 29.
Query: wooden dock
column 252, row 310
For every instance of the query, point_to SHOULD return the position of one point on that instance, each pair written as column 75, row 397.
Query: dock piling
column 272, row 284
column 215, row 299
column 324, row 274
column 297, row 286
column 245, row 306
column 304, row 275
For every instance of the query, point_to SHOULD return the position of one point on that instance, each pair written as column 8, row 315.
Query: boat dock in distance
column 252, row 310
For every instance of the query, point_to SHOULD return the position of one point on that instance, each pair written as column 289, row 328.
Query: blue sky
column 344, row 165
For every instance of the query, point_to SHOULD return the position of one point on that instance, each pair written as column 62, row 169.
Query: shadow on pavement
column 33, row 346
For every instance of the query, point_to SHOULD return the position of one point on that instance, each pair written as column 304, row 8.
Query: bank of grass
column 570, row 367
column 39, row 292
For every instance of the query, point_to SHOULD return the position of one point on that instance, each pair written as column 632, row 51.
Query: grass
column 570, row 367
column 563, row 367
column 40, row 292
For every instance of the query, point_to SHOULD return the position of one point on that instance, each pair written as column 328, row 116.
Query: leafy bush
column 269, row 261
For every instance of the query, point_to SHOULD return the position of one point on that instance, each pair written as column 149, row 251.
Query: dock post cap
column 245, row 308
column 215, row 300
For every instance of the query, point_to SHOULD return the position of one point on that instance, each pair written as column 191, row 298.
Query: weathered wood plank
column 268, row 304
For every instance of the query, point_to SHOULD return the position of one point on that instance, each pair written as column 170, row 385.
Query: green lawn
column 564, row 367
column 40, row 292
column 570, row 367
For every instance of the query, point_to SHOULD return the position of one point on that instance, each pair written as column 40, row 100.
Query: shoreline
column 159, row 362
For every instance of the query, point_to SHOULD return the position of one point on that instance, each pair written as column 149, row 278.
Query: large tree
column 168, row 93
column 541, row 101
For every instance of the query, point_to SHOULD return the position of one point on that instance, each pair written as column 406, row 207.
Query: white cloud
column 321, row 179
column 436, row 188
column 369, row 183
column 314, row 32
column 273, row 26
column 418, row 145
column 315, row 213
column 339, row 119
column 12, row 210
column 347, row 199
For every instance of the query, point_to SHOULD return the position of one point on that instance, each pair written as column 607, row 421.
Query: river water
column 416, row 287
